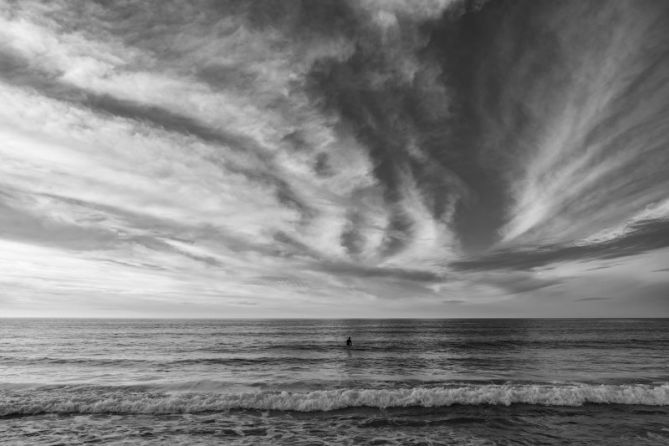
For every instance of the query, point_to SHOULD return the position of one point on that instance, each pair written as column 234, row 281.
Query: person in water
column 349, row 343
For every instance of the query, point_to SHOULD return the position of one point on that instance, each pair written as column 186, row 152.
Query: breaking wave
column 120, row 400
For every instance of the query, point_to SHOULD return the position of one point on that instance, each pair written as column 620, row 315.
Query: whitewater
column 294, row 381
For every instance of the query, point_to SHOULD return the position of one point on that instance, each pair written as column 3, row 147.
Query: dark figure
column 349, row 342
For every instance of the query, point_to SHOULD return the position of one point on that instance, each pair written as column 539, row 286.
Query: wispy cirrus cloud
column 317, row 158
column 592, row 145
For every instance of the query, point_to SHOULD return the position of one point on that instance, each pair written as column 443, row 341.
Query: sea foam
column 91, row 400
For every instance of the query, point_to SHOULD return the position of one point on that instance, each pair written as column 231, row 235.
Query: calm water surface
column 294, row 382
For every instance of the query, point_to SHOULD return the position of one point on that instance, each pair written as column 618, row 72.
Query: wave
column 120, row 400
column 122, row 362
column 117, row 362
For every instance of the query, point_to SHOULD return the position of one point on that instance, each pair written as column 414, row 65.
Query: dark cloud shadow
column 588, row 299
column 517, row 282
column 643, row 236
column 355, row 270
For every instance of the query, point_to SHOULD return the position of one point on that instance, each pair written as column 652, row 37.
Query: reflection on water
column 313, row 351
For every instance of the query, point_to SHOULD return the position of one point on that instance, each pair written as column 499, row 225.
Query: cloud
column 582, row 156
column 642, row 237
column 415, row 275
column 261, row 157
column 518, row 283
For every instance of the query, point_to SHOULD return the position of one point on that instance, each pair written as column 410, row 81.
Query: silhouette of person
column 349, row 343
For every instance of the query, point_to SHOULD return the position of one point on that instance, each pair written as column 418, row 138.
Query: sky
column 334, row 158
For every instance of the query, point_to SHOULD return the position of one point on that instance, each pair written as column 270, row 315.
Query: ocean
column 403, row 382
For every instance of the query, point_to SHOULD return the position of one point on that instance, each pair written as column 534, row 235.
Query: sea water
column 428, row 382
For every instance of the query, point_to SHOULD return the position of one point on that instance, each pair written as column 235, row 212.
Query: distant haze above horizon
column 344, row 158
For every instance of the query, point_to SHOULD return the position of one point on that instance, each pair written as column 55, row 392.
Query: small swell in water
column 120, row 400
